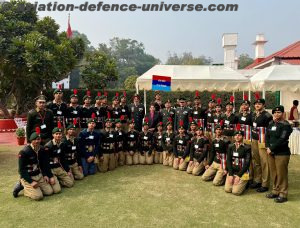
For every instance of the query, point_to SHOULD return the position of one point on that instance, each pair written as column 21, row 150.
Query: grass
column 144, row 196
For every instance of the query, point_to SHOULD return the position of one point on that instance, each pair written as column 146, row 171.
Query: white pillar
column 249, row 95
column 280, row 97
column 145, row 102
column 264, row 94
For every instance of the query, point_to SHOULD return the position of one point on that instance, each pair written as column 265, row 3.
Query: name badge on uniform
column 140, row 109
column 243, row 118
column 120, row 133
column 75, row 112
column 43, row 126
column 132, row 109
column 116, row 113
column 123, row 110
column 168, row 139
column 180, row 141
column 196, row 146
column 227, row 122
column 131, row 136
column 73, row 147
column 216, row 120
column 185, row 112
column 172, row 113
column 209, row 114
column 145, row 137
column 59, row 112
column 273, row 128
column 217, row 145
column 196, row 113
column 159, row 137
column 235, row 154
column 91, row 137
column 97, row 113
column 111, row 135
column 254, row 124
column 58, row 151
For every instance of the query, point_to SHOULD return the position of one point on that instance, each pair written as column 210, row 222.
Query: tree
column 130, row 56
column 244, row 61
column 187, row 59
column 87, row 43
column 99, row 70
column 32, row 54
column 130, row 82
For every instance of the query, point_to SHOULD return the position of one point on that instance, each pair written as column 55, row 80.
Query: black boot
column 19, row 187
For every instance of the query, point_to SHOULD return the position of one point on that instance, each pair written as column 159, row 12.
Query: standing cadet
column 137, row 112
column 261, row 119
column 124, row 111
column 108, row 146
column 209, row 117
column 86, row 110
column 42, row 118
column 132, row 136
column 74, row 111
column 154, row 117
column 115, row 109
column 181, row 149
column 238, row 163
column 120, row 142
column 230, row 120
column 89, row 147
column 216, row 167
column 198, row 152
column 70, row 146
column 245, row 120
column 167, row 113
column 158, row 104
column 145, row 145
column 58, row 164
column 277, row 143
column 182, row 113
column 157, row 141
column 100, row 118
column 167, row 143
column 198, row 113
column 35, row 174
column 58, row 107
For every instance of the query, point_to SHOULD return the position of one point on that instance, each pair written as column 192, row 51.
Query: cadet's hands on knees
column 46, row 179
column 230, row 179
column 207, row 166
column 131, row 153
column 34, row 184
column 236, row 179
column 52, row 181
column 225, row 172
column 181, row 161
column 191, row 162
column 90, row 159
column 70, row 174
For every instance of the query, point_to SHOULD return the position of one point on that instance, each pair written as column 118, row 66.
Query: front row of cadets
column 43, row 170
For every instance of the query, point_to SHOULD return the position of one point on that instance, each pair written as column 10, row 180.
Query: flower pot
column 21, row 141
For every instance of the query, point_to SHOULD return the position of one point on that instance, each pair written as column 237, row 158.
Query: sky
column 196, row 32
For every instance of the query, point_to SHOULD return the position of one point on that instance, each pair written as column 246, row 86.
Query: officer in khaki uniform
column 157, row 141
column 132, row 144
column 145, row 145
column 260, row 119
column 277, row 143
column 181, row 147
column 198, row 152
column 36, row 176
column 238, row 163
column 70, row 146
column 216, row 168
column 59, row 166
column 167, row 143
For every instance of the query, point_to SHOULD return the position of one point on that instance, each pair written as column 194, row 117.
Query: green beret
column 34, row 136
column 56, row 129
column 117, row 121
column 41, row 98
column 57, row 91
column 71, row 126
column 238, row 133
column 73, row 95
column 91, row 120
column 261, row 100
column 86, row 96
column 278, row 108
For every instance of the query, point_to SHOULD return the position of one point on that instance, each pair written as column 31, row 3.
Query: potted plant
column 20, row 133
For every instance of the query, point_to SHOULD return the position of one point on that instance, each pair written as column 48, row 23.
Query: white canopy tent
column 185, row 77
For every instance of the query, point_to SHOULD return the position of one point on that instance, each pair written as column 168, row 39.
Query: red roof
column 292, row 51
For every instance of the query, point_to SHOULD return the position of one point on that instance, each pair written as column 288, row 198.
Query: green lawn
column 144, row 196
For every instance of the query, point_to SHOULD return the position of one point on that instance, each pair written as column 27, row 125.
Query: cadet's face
column 229, row 108
column 123, row 100
column 182, row 103
column 136, row 100
column 197, row 102
column 152, row 108
column 118, row 125
column 98, row 102
column 219, row 131
column 168, row 105
column 104, row 101
column 40, row 104
column 108, row 124
column 199, row 132
column 238, row 137
column 258, row 106
column 58, row 95
column 71, row 132
column 245, row 107
column 158, row 97
column 116, row 102
column 74, row 100
column 87, row 101
column 218, row 109
column 211, row 105
column 36, row 142
column 57, row 136
column 159, row 128
column 131, row 126
column 146, row 127
column 91, row 125
column 278, row 115
column 169, row 127
column 181, row 130
column 193, row 127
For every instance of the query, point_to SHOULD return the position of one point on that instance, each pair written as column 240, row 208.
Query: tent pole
column 264, row 93
column 249, row 95
column 145, row 102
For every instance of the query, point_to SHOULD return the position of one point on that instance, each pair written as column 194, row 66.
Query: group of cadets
column 69, row 142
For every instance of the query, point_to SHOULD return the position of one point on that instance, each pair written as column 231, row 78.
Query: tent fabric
column 277, row 78
column 192, row 78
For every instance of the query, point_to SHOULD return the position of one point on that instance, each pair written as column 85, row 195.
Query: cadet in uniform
column 132, row 136
column 34, row 169
column 230, row 120
column 238, row 163
column 86, row 110
column 209, row 123
column 158, row 104
column 153, row 117
column 261, row 120
column 70, row 146
column 100, row 114
column 167, row 113
column 192, row 129
column 277, row 143
column 58, row 164
column 108, row 146
column 89, row 147
column 137, row 112
column 198, row 152
column 124, row 111
column 115, row 109
column 74, row 112
column 158, row 148
column 245, row 120
column 198, row 113
column 167, row 143
column 181, row 149
column 216, row 168
column 145, row 145
column 120, row 142
column 42, row 118
column 58, row 107
column 182, row 113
